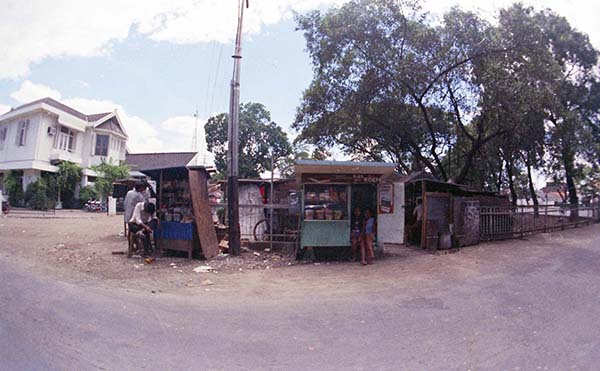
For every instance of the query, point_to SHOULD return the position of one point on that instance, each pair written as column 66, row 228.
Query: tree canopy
column 259, row 140
column 66, row 178
column 108, row 173
column 470, row 101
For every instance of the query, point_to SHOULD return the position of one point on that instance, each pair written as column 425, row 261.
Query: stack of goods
column 176, row 202
column 325, row 203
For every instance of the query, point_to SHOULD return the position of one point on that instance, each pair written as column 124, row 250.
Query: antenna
column 195, row 136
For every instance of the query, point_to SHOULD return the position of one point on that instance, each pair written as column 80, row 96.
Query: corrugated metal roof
column 346, row 163
column 156, row 161
column 343, row 167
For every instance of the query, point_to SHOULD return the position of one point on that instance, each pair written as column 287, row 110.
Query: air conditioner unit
column 51, row 130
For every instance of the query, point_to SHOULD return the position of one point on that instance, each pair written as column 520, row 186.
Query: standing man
column 132, row 198
column 414, row 230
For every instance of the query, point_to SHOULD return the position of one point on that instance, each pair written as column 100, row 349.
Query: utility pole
column 233, row 135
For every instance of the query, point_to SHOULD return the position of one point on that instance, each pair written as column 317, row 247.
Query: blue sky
column 157, row 61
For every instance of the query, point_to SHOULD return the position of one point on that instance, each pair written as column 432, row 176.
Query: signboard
column 341, row 178
column 365, row 178
column 386, row 198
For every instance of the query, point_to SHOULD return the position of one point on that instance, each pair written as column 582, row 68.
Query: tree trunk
column 500, row 173
column 466, row 167
column 511, row 183
column 569, row 165
column 532, row 193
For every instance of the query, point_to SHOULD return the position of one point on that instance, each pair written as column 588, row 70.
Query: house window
column 65, row 140
column 22, row 133
column 101, row 145
column 3, row 137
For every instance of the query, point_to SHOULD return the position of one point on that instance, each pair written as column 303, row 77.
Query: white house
column 36, row 136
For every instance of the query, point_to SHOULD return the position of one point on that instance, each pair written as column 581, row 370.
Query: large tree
column 390, row 84
column 479, row 103
column 574, row 116
column 260, row 139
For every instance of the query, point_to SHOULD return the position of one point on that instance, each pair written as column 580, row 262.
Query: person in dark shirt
column 356, row 232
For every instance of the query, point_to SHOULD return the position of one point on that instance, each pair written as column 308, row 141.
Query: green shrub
column 13, row 186
column 36, row 196
column 87, row 193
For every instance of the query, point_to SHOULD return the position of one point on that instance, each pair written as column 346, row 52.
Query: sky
column 159, row 61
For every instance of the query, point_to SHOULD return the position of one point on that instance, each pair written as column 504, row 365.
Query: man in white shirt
column 132, row 198
column 142, row 224
column 414, row 230
column 418, row 211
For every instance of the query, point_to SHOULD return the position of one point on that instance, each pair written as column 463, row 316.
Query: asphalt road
column 524, row 305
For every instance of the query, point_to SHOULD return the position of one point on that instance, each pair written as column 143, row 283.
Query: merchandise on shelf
column 325, row 202
column 176, row 202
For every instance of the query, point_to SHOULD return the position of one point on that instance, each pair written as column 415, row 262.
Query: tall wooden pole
column 233, row 139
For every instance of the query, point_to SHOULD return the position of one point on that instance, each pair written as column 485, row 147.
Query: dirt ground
column 68, row 303
column 78, row 247
column 81, row 247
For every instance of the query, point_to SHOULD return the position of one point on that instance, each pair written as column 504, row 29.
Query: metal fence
column 270, row 225
column 516, row 221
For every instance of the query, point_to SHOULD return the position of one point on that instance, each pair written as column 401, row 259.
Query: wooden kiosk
column 330, row 190
column 182, row 200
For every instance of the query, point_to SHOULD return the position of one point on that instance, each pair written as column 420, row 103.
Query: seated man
column 142, row 224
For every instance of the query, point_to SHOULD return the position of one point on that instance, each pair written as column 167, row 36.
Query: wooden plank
column 202, row 214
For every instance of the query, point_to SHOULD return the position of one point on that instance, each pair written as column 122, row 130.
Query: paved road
column 515, row 305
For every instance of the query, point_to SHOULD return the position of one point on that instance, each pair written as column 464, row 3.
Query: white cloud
column 178, row 133
column 87, row 28
column 83, row 84
column 29, row 92
column 215, row 20
column 4, row 109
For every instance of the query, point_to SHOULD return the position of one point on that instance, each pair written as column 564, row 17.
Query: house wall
column 89, row 157
column 45, row 148
column 39, row 152
column 13, row 156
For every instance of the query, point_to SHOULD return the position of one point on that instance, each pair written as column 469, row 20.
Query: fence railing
column 269, row 224
column 516, row 221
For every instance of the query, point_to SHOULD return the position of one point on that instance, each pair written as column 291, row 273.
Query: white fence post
column 112, row 206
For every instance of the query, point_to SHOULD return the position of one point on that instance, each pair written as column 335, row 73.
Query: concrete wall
column 90, row 159
column 13, row 156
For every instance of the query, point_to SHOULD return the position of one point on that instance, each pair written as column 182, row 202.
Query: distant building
column 36, row 136
column 553, row 193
